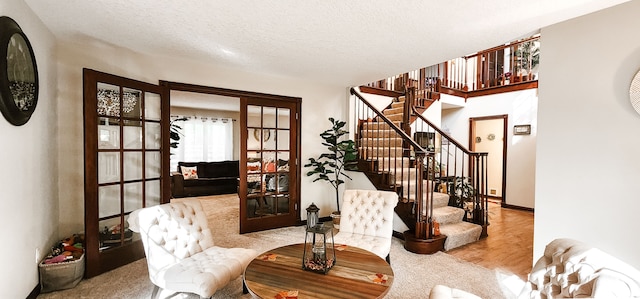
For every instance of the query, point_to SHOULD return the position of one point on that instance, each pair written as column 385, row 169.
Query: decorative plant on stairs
column 340, row 156
column 462, row 194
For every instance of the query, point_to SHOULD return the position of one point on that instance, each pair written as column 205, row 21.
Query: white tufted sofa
column 180, row 252
column 367, row 220
column 572, row 269
column 569, row 269
column 445, row 292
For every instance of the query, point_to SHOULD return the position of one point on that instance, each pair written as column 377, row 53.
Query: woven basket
column 60, row 276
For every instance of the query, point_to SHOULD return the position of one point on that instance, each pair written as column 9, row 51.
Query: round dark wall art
column 18, row 74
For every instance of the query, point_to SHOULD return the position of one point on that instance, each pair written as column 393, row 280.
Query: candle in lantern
column 318, row 252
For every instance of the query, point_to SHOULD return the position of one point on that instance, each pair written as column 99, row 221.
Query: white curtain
column 204, row 139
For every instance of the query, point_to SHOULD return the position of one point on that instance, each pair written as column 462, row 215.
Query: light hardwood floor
column 509, row 246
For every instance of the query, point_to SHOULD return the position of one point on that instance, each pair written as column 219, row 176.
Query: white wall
column 588, row 166
column 521, row 107
column 434, row 114
column 29, row 182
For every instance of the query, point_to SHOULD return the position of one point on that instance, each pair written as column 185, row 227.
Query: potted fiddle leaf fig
column 330, row 166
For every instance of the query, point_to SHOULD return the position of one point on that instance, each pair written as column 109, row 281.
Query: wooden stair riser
column 379, row 134
column 372, row 126
column 381, row 142
column 397, row 105
column 395, row 117
column 372, row 152
column 394, row 110
column 386, row 163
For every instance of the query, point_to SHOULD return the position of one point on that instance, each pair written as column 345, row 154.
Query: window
column 203, row 139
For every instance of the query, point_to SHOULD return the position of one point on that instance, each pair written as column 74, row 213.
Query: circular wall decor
column 634, row 92
column 18, row 74
column 266, row 134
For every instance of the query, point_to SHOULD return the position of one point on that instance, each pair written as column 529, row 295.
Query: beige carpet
column 415, row 274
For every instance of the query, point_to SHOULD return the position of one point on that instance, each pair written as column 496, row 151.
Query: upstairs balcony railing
column 511, row 64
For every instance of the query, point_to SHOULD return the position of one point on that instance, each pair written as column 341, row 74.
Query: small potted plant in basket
column 330, row 166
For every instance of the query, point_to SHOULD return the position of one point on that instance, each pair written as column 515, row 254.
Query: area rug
column 414, row 274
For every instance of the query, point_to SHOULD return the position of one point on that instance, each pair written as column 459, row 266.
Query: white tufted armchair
column 367, row 220
column 180, row 252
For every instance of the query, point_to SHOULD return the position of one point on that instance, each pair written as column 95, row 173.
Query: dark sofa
column 213, row 178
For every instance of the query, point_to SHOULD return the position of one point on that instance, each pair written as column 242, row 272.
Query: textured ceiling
column 331, row 41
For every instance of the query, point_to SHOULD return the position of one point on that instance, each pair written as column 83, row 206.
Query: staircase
column 382, row 146
column 458, row 232
column 394, row 161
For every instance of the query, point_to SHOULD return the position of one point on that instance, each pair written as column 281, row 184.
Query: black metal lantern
column 319, row 250
column 312, row 215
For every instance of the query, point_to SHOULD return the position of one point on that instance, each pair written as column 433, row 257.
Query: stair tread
column 440, row 200
column 448, row 215
column 459, row 234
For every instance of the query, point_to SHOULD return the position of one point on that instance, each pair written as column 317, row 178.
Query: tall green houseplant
column 341, row 155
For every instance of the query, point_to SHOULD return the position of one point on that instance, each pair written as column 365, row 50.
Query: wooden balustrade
column 462, row 171
column 507, row 65
column 435, row 157
column 400, row 163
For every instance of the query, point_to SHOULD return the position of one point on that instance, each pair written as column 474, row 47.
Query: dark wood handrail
column 380, row 91
column 451, row 139
column 417, row 148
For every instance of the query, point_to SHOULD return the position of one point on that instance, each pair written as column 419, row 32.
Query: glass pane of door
column 268, row 199
column 123, row 150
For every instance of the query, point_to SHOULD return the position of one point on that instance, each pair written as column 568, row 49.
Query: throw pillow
column 253, row 166
column 270, row 166
column 189, row 173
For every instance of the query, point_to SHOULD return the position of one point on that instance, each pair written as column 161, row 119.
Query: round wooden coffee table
column 353, row 276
